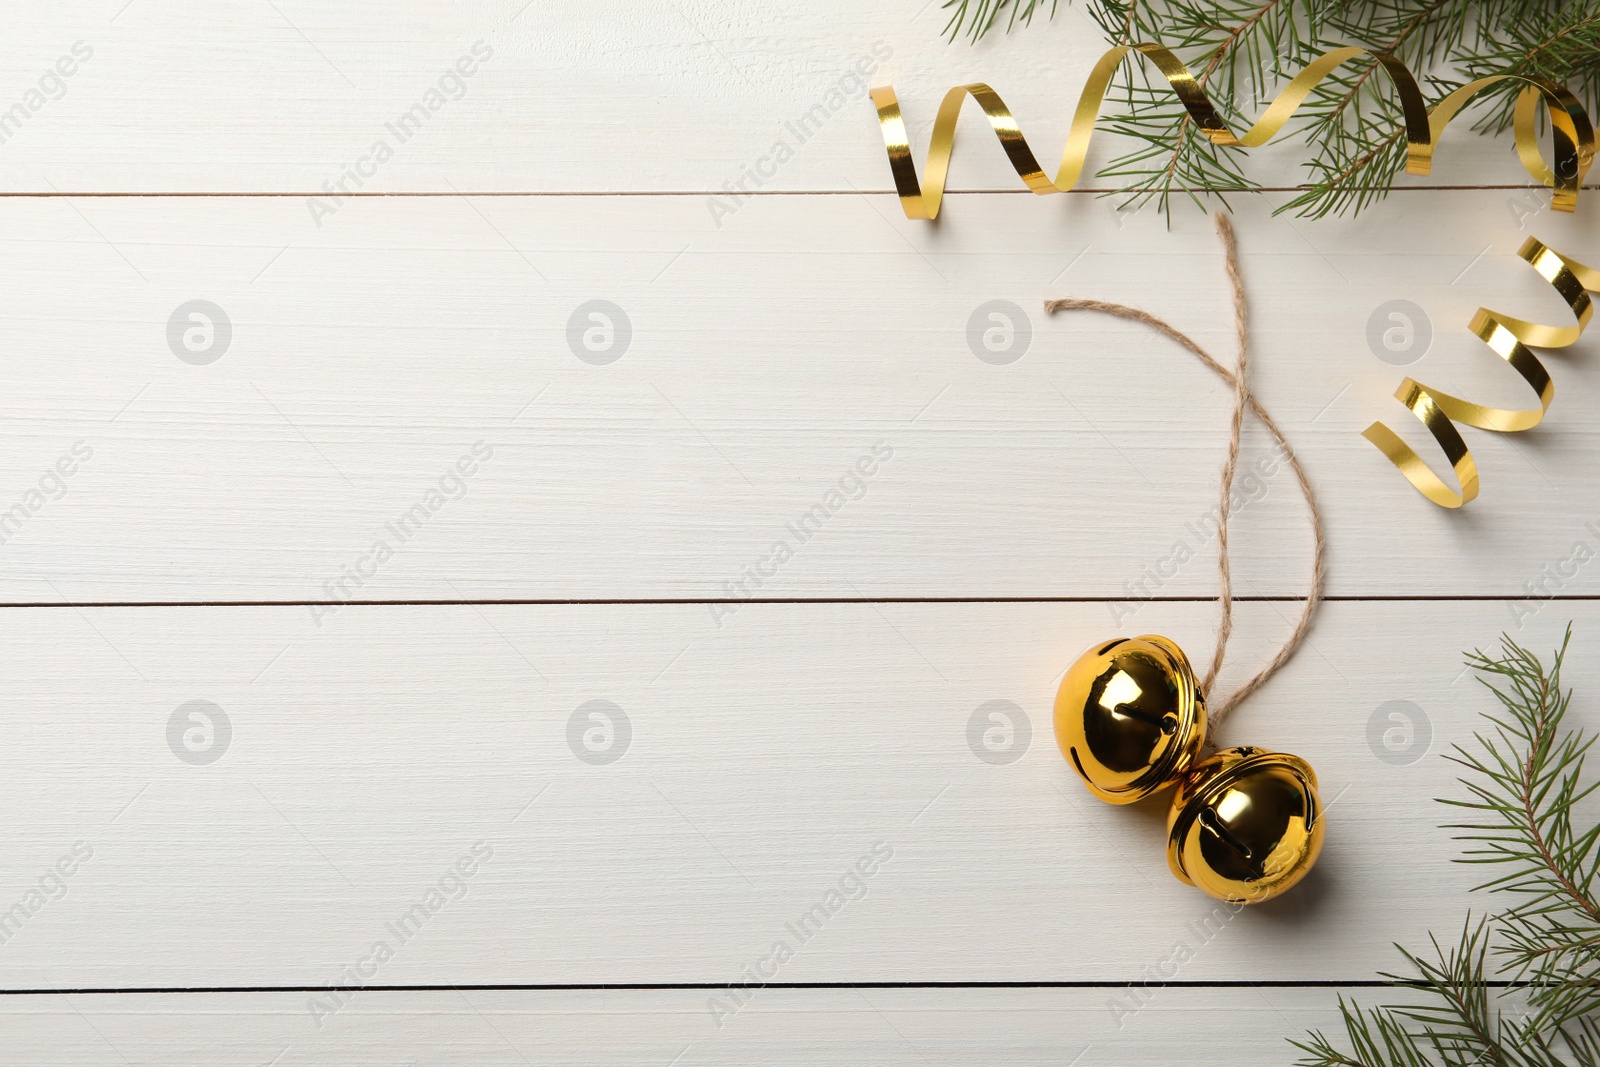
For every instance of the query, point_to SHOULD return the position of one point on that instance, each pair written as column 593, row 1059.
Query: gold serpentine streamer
column 1572, row 132
column 1509, row 338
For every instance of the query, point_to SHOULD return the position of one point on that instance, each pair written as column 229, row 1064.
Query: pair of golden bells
column 1245, row 824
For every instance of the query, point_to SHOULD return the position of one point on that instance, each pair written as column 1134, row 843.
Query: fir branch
column 1563, row 49
column 1346, row 116
column 1525, row 784
column 1377, row 1037
column 978, row 18
column 1351, row 123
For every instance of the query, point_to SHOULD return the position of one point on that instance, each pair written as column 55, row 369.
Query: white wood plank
column 765, row 361
column 365, row 759
column 779, row 1026
column 574, row 96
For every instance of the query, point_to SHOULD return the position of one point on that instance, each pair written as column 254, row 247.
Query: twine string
column 1243, row 398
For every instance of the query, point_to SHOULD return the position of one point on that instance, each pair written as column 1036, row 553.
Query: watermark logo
column 999, row 332
column 451, row 85
column 199, row 332
column 1524, row 207
column 1250, row 487
column 1399, row 332
column 51, row 485
column 1399, row 732
column 451, row 886
column 1552, row 578
column 999, row 732
column 51, row 85
column 795, row 133
column 599, row 732
column 1196, row 934
column 851, row 486
column 452, row 484
column 51, row 886
column 199, row 732
column 599, row 332
column 1123, row 210
column 850, row 886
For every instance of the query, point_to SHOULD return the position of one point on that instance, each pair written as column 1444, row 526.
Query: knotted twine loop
column 1243, row 398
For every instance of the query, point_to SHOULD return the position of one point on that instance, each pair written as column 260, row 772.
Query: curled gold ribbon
column 1509, row 338
column 1572, row 132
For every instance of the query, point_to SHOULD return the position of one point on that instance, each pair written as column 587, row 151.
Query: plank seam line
column 691, row 601
column 1308, row 983
column 416, row 194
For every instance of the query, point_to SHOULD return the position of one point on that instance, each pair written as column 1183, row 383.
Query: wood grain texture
column 764, row 361
column 759, row 764
column 648, row 1029
column 575, row 97
column 204, row 796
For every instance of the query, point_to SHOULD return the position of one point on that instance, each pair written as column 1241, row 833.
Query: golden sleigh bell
column 1245, row 824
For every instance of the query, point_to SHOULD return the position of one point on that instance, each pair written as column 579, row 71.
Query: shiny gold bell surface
column 1130, row 718
column 1246, row 824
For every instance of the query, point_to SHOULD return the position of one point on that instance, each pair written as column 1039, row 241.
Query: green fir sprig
column 978, row 17
column 1243, row 51
column 1526, row 812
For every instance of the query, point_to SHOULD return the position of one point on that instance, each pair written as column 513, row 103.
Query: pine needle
column 1523, row 778
column 1244, row 50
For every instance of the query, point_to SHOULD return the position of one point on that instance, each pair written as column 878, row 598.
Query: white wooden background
column 369, row 747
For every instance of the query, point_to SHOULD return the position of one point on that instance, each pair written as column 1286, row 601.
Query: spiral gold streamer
column 1572, row 132
column 1509, row 338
